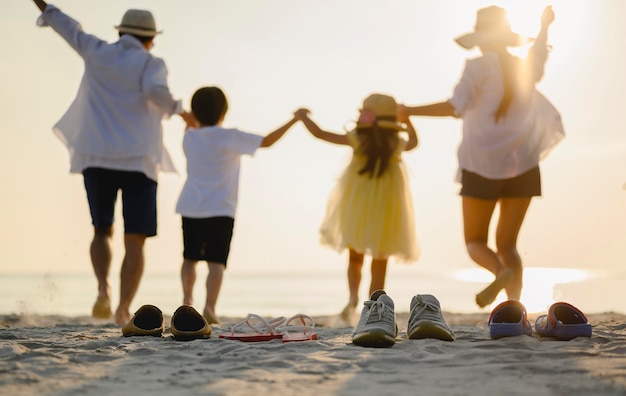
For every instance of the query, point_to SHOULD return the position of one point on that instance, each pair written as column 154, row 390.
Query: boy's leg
column 130, row 275
column 213, row 286
column 188, row 278
column 379, row 274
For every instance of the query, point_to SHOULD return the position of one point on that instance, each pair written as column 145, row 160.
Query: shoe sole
column 430, row 330
column 147, row 333
column 190, row 337
column 374, row 339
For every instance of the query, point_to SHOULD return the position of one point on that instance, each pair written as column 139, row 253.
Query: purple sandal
column 563, row 322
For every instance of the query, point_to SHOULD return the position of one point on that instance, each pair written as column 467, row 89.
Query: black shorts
column 528, row 184
column 208, row 238
column 138, row 199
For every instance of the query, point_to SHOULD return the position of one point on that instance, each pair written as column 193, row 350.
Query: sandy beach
column 58, row 355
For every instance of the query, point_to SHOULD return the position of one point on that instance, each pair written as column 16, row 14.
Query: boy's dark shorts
column 138, row 199
column 208, row 239
column 528, row 184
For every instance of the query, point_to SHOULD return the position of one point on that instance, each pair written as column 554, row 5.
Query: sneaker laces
column 377, row 307
column 419, row 310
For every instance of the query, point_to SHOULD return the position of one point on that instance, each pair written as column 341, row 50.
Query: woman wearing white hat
column 508, row 127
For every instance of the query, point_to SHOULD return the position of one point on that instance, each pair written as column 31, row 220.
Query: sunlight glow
column 540, row 284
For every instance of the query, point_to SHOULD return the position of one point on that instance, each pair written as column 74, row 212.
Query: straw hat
column 491, row 25
column 139, row 22
column 381, row 110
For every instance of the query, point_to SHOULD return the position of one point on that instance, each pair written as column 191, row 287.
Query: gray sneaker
column 426, row 319
column 377, row 326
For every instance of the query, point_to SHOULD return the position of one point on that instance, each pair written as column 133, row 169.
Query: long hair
column 377, row 144
column 509, row 74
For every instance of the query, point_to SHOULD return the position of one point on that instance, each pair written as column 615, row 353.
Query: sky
column 273, row 56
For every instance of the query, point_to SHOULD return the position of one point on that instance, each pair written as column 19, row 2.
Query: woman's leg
column 512, row 213
column 476, row 218
column 355, row 265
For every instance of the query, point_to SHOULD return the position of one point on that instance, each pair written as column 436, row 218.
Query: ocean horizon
column 275, row 293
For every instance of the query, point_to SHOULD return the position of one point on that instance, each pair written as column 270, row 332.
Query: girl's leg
column 476, row 218
column 188, row 278
column 512, row 213
column 379, row 273
column 355, row 265
column 213, row 286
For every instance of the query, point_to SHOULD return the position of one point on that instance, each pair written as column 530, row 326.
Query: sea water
column 313, row 293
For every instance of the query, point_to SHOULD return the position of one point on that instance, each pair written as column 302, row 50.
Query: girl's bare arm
column 331, row 137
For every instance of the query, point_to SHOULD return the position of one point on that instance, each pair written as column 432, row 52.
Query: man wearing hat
column 114, row 136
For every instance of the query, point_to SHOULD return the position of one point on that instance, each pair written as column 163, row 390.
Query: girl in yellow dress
column 370, row 210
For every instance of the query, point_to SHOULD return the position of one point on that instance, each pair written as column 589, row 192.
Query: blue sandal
column 509, row 319
column 563, row 322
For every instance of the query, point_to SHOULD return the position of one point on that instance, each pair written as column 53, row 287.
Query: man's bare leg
column 101, row 254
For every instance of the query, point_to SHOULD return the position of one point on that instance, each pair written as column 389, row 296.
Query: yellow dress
column 372, row 215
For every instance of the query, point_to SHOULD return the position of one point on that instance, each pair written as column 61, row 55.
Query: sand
column 52, row 355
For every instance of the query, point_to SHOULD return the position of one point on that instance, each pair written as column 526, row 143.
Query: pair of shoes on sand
column 186, row 324
column 255, row 328
column 563, row 321
column 377, row 326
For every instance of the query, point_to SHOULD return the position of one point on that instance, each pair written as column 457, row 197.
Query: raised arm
column 274, row 136
column 41, row 4
column 538, row 53
column 547, row 17
column 331, row 137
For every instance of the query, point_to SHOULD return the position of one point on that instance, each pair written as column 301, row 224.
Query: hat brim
column 138, row 32
column 510, row 39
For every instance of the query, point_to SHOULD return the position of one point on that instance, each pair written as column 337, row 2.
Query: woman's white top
column 519, row 141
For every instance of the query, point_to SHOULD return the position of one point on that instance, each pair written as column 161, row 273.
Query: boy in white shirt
column 208, row 200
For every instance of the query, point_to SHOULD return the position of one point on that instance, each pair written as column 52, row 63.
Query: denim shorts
column 528, row 184
column 208, row 239
column 138, row 199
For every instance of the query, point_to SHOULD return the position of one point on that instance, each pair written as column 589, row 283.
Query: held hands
column 301, row 113
column 190, row 120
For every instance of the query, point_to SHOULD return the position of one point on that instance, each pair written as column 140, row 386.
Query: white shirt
column 515, row 144
column 115, row 120
column 213, row 164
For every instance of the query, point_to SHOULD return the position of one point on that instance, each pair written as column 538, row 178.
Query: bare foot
column 102, row 308
column 348, row 312
column 210, row 317
column 122, row 317
column 489, row 293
